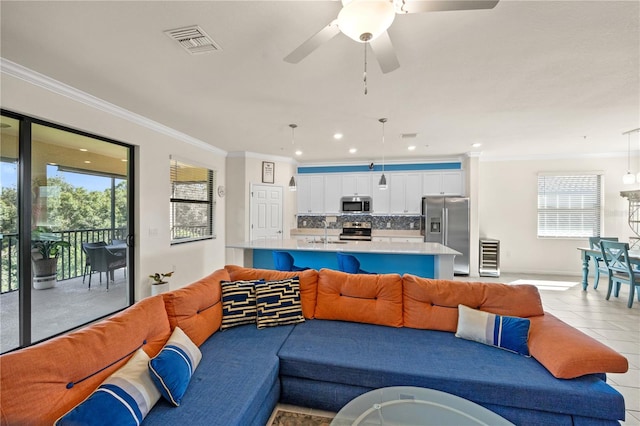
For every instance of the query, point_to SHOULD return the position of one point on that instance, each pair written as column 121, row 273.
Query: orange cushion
column 308, row 282
column 433, row 304
column 34, row 380
column 567, row 352
column 197, row 308
column 373, row 299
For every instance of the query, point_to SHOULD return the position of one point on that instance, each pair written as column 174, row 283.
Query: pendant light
column 292, row 181
column 629, row 178
column 382, row 184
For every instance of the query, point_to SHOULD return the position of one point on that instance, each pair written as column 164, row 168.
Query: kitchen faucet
column 325, row 224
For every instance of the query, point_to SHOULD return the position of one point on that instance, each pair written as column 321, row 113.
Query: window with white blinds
column 192, row 202
column 569, row 206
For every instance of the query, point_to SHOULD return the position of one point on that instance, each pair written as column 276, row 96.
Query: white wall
column 243, row 170
column 153, row 251
column 507, row 204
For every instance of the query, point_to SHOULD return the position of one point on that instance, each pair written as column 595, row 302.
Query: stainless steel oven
column 356, row 231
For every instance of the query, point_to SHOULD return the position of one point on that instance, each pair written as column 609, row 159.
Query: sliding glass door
column 74, row 200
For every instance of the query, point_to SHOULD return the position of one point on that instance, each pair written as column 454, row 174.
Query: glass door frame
column 25, row 210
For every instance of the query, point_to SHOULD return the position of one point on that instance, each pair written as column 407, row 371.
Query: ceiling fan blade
column 318, row 39
column 418, row 6
column 385, row 54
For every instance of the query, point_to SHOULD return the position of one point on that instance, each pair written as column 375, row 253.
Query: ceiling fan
column 367, row 21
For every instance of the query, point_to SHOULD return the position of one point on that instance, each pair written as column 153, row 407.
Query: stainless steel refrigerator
column 445, row 220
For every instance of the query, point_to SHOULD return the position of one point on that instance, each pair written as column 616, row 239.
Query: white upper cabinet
column 443, row 183
column 332, row 193
column 356, row 184
column 310, row 191
column 405, row 193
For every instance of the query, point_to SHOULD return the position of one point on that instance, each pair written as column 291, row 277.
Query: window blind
column 569, row 206
column 192, row 202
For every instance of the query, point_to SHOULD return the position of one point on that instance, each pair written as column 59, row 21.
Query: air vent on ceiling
column 193, row 39
column 409, row 135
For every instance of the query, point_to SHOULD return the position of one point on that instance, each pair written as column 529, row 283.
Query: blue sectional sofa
column 360, row 333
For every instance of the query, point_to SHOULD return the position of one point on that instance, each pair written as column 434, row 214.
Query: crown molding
column 33, row 77
column 583, row 156
column 258, row 156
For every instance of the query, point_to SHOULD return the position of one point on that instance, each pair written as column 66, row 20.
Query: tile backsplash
column 377, row 222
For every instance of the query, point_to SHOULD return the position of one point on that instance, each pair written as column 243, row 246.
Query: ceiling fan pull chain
column 365, row 68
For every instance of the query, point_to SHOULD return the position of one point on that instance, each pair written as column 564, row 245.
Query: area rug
column 290, row 418
column 548, row 285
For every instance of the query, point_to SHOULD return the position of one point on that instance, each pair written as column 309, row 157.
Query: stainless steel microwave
column 356, row 205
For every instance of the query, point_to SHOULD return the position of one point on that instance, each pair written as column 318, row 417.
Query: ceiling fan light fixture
column 365, row 20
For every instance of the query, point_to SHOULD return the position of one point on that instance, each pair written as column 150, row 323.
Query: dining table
column 587, row 253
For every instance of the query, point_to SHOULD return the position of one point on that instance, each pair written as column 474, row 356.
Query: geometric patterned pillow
column 124, row 398
column 278, row 303
column 238, row 303
column 172, row 368
column 509, row 333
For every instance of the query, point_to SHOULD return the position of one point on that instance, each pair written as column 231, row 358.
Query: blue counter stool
column 283, row 261
column 349, row 264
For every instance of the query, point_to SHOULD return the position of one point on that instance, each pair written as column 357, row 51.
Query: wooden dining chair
column 621, row 271
column 599, row 266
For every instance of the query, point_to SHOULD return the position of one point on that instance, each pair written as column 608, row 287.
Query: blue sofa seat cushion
column 374, row 356
column 236, row 382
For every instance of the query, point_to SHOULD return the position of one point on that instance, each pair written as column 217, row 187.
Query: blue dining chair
column 349, row 264
column 599, row 266
column 283, row 261
column 621, row 270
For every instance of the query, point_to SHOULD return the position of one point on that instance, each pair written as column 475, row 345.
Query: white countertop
column 350, row 246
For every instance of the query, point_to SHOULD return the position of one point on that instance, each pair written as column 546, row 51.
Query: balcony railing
column 71, row 261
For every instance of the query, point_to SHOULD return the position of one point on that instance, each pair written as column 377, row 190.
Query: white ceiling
column 525, row 79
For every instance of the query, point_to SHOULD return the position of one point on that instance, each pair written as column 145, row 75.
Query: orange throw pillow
column 568, row 353
column 373, row 299
column 433, row 304
column 197, row 308
column 42, row 382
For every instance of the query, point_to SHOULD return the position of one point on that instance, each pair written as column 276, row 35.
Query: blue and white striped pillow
column 509, row 333
column 124, row 398
column 172, row 368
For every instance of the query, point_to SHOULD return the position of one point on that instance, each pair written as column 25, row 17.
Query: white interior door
column 266, row 212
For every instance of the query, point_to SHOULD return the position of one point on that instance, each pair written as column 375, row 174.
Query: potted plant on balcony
column 159, row 285
column 46, row 248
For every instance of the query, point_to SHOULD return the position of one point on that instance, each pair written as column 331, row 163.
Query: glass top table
column 405, row 405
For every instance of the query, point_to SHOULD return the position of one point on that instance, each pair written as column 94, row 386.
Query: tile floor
column 610, row 322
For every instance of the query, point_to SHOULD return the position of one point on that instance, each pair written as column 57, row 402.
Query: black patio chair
column 102, row 260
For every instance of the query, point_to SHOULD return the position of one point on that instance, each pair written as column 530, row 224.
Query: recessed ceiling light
column 411, row 147
column 124, row 160
column 353, row 151
column 87, row 162
column 84, row 149
column 476, row 145
column 298, row 152
column 337, row 136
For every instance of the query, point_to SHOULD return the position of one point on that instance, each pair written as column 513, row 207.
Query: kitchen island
column 429, row 260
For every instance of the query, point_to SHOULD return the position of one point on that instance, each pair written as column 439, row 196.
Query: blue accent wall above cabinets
column 378, row 168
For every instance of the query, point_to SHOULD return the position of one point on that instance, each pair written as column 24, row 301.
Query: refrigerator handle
column 445, row 226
